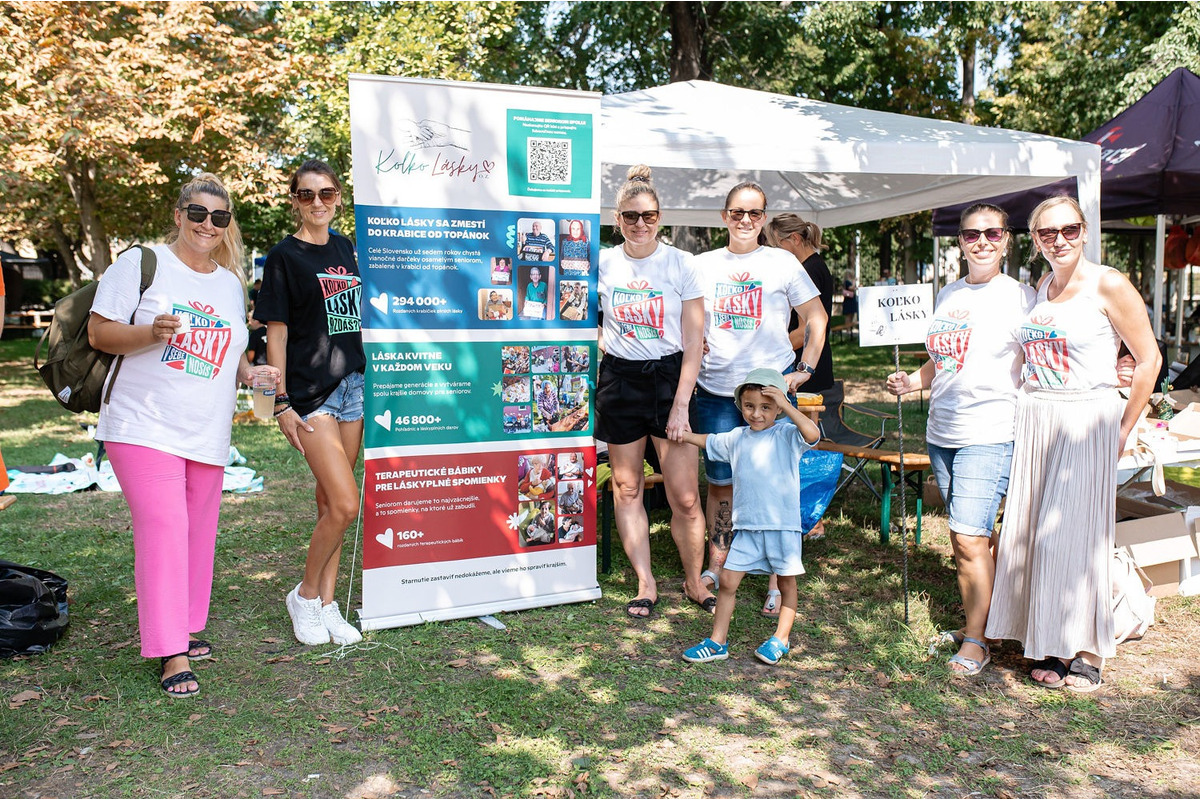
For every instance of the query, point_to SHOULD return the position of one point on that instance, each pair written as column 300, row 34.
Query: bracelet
column 281, row 398
column 279, row 412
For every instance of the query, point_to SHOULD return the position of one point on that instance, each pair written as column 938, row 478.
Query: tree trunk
column 885, row 251
column 66, row 252
column 81, row 179
column 968, row 81
column 691, row 60
column 908, row 238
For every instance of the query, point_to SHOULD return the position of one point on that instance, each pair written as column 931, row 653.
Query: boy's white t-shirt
column 977, row 357
column 642, row 301
column 748, row 300
column 176, row 396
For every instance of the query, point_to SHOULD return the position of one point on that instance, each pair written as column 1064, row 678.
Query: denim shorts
column 972, row 481
column 345, row 404
column 718, row 414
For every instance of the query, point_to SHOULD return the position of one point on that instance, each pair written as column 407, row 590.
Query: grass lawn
column 569, row 701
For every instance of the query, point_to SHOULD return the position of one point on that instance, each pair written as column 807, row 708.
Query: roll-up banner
column 477, row 211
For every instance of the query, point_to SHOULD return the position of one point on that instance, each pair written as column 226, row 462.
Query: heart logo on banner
column 385, row 419
column 588, row 471
column 385, row 538
column 380, row 303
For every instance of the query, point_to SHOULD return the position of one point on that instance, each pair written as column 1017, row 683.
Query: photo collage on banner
column 477, row 211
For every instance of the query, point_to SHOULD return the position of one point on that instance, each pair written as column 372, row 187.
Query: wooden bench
column 607, row 517
column 915, row 466
column 845, row 330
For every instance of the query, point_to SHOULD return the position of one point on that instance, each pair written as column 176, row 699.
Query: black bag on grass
column 33, row 609
column 72, row 369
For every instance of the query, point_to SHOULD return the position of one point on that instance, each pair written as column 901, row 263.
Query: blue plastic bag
column 819, row 473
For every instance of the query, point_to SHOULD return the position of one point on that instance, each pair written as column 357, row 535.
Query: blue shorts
column 972, row 481
column 345, row 404
column 718, row 414
column 766, row 553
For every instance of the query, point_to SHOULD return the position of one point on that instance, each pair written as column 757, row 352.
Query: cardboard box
column 1138, row 499
column 1162, row 546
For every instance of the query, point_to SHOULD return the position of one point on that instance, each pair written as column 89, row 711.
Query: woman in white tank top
column 1052, row 589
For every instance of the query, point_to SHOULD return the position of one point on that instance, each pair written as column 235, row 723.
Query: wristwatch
column 803, row 367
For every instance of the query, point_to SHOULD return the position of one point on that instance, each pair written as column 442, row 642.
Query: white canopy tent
column 833, row 165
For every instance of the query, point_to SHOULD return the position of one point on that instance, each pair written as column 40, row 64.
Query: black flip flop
column 179, row 677
column 1051, row 664
column 199, row 644
column 641, row 602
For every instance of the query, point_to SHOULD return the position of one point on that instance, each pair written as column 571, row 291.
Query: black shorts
column 634, row 398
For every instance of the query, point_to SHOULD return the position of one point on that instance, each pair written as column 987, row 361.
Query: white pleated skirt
column 1053, row 592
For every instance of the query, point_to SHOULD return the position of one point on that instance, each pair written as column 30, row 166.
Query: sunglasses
column 736, row 214
column 648, row 217
column 1069, row 232
column 971, row 235
column 198, row 213
column 305, row 197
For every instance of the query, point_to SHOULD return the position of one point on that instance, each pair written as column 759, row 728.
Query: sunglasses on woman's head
column 198, row 213
column 971, row 235
column 305, row 196
column 1070, row 233
column 631, row 217
column 736, row 214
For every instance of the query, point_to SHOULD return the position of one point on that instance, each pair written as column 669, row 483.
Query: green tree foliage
column 108, row 107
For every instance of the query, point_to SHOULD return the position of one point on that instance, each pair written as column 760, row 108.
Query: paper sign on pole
column 894, row 314
column 477, row 209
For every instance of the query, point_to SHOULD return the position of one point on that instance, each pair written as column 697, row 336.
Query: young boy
column 765, row 458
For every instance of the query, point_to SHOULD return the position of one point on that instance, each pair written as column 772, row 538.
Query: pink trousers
column 174, row 503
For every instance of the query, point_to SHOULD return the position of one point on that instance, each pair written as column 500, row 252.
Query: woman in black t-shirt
column 310, row 300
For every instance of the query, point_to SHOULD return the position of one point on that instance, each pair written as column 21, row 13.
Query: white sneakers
column 316, row 624
column 341, row 631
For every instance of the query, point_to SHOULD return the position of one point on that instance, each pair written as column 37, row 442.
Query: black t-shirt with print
column 316, row 291
column 818, row 271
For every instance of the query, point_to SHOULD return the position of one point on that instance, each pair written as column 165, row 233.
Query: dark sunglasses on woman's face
column 198, row 213
column 1069, row 232
column 736, row 214
column 971, row 235
column 631, row 217
column 305, row 196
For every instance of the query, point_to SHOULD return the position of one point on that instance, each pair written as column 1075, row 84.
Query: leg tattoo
column 722, row 532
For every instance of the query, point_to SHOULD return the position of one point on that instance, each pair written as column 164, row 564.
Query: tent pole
column 1160, row 241
column 937, row 263
column 1179, row 349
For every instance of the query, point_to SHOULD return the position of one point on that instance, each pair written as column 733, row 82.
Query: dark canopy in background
column 1149, row 164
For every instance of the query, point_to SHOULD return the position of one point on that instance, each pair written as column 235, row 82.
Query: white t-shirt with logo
column 747, row 303
column 176, row 396
column 977, row 357
column 642, row 301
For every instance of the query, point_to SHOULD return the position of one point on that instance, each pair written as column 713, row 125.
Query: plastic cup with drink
column 264, row 395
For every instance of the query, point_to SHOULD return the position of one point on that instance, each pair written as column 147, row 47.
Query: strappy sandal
column 187, row 676
column 1088, row 672
column 641, row 602
column 973, row 667
column 1050, row 664
column 770, row 609
column 199, row 644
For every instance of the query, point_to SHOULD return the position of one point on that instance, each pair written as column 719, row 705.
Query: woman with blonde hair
column 652, row 333
column 167, row 422
column 1052, row 590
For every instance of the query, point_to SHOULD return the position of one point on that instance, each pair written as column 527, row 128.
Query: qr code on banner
column 550, row 161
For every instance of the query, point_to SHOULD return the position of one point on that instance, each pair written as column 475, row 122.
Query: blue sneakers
column 708, row 650
column 770, row 651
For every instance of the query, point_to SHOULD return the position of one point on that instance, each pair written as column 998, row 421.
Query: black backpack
column 74, row 370
column 33, row 609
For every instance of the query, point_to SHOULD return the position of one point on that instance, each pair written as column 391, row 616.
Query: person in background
column 749, row 291
column 803, row 240
column 974, row 369
column 885, row 277
column 1053, row 591
column 256, row 346
column 644, row 389
column 168, row 420
column 850, row 300
column 311, row 304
